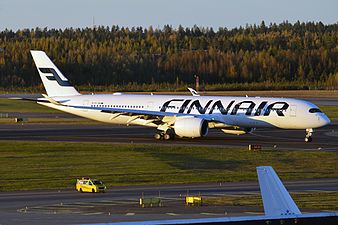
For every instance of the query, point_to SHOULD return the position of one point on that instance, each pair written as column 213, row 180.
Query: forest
column 285, row 55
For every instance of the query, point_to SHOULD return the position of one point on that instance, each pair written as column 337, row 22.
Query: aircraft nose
column 324, row 120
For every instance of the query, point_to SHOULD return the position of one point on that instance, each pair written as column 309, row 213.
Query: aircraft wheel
column 166, row 136
column 308, row 134
column 169, row 134
column 172, row 134
column 308, row 139
column 157, row 136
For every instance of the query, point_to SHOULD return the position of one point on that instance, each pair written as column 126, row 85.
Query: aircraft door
column 293, row 110
column 150, row 105
column 86, row 104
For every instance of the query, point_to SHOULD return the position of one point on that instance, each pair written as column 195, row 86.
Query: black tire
column 171, row 134
column 93, row 190
column 81, row 190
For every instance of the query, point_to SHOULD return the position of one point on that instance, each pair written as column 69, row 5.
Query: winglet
column 193, row 92
column 276, row 199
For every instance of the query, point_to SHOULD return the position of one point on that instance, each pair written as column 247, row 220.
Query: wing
column 151, row 116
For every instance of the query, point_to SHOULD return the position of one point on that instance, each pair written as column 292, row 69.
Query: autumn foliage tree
column 302, row 52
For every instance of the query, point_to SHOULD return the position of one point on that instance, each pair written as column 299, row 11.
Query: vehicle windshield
column 97, row 182
column 314, row 110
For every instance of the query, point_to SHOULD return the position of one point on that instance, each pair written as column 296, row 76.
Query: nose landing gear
column 308, row 135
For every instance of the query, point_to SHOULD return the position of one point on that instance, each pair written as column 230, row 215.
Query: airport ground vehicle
column 86, row 184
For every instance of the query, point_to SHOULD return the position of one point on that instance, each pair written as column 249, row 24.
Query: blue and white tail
column 276, row 199
column 55, row 83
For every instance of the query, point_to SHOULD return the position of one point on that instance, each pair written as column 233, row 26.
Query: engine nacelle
column 191, row 127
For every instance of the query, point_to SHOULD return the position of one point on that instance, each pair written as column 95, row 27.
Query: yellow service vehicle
column 86, row 184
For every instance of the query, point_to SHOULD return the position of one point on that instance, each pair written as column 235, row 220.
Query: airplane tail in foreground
column 55, row 83
column 276, row 199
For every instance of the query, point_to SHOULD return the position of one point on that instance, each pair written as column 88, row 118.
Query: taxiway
column 121, row 203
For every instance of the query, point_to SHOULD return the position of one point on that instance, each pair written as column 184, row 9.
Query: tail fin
column 276, row 199
column 56, row 84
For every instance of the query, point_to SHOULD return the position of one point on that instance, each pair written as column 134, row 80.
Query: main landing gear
column 308, row 135
column 165, row 135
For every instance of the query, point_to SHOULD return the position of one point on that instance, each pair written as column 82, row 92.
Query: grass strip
column 54, row 165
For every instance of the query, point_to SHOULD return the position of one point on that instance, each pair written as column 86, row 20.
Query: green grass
column 304, row 200
column 45, row 165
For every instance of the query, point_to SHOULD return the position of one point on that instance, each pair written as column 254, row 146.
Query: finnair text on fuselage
column 187, row 105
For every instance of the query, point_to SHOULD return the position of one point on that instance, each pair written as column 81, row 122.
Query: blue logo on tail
column 55, row 77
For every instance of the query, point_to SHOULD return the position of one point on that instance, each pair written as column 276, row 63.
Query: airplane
column 279, row 208
column 177, row 115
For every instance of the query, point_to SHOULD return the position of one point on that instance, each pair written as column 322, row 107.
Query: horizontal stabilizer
column 30, row 99
column 276, row 199
column 51, row 100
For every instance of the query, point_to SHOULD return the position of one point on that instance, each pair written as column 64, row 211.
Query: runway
column 121, row 203
column 324, row 139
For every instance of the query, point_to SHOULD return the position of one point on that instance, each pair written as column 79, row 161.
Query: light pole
column 197, row 82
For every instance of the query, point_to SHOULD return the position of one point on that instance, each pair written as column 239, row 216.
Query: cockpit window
column 314, row 110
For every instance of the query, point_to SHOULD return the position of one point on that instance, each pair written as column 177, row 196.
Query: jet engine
column 191, row 127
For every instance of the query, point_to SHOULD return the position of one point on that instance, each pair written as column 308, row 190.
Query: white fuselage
column 247, row 112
